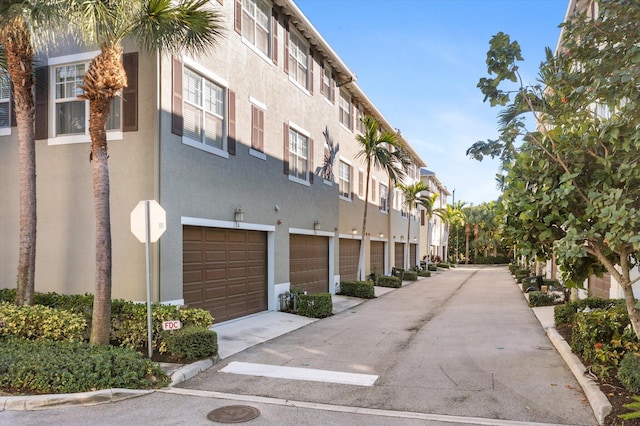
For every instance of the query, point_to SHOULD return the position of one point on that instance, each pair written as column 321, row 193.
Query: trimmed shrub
column 629, row 372
column 564, row 314
column 129, row 328
column 444, row 265
column 8, row 295
column 361, row 289
column 45, row 366
column 192, row 342
column 424, row 273
column 318, row 305
column 431, row 267
column 40, row 322
column 491, row 260
column 389, row 281
column 594, row 329
column 410, row 275
column 539, row 298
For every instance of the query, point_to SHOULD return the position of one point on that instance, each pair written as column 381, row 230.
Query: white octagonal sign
column 157, row 221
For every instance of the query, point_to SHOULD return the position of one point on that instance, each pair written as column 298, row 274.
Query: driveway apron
column 461, row 343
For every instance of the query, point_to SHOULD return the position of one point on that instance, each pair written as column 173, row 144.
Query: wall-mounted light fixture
column 316, row 225
column 239, row 214
column 402, row 238
column 354, row 231
column 381, row 235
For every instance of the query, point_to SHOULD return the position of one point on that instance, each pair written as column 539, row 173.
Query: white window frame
column 263, row 107
column 299, row 132
column 5, row 98
column 344, row 165
column 249, row 20
column 207, row 76
column 345, row 113
column 326, row 83
column 298, row 47
column 384, row 207
column 56, row 62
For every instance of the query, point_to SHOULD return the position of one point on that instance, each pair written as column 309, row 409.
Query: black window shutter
column 42, row 103
column 176, row 102
column 285, row 150
column 231, row 131
column 130, row 93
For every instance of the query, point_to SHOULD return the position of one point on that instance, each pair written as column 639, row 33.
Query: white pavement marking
column 295, row 373
column 353, row 410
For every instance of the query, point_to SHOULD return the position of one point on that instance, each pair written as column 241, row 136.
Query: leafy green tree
column 23, row 26
column 427, row 203
column 382, row 150
column 413, row 195
column 157, row 25
column 572, row 186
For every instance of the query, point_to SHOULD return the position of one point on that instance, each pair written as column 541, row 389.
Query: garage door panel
column 309, row 263
column 349, row 255
column 218, row 266
column 377, row 257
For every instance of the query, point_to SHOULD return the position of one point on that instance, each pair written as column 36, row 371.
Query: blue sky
column 419, row 62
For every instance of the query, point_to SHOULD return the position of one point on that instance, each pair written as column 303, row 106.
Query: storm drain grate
column 233, row 414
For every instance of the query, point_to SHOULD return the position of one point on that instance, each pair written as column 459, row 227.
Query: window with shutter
column 5, row 104
column 70, row 114
column 344, row 183
column 299, row 157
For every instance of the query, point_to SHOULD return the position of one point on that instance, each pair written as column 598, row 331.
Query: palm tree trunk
column 360, row 274
column 101, row 320
column 102, row 81
column 15, row 38
column 407, row 262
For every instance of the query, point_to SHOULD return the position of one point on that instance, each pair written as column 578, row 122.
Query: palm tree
column 412, row 196
column 427, row 202
column 450, row 216
column 379, row 149
column 157, row 25
column 24, row 24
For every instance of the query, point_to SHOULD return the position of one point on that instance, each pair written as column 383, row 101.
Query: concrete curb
column 599, row 403
column 41, row 402
column 191, row 370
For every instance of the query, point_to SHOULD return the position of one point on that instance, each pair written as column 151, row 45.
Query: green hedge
column 599, row 327
column 361, row 289
column 629, row 372
column 539, row 298
column 129, row 328
column 40, row 322
column 565, row 313
column 389, row 281
column 444, row 265
column 317, row 305
column 45, row 366
column 491, row 260
column 424, row 273
column 410, row 276
column 191, row 342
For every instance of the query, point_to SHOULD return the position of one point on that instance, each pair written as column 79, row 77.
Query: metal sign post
column 148, row 224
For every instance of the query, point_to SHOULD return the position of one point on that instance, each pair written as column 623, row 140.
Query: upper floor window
column 72, row 113
column 359, row 117
column 256, row 15
column 326, row 86
column 298, row 60
column 384, row 197
column 5, row 100
column 204, row 110
column 345, row 180
column 298, row 155
column 345, row 110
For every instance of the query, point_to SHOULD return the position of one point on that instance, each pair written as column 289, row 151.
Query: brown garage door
column 377, row 257
column 412, row 254
column 225, row 271
column 309, row 263
column 399, row 257
column 599, row 287
column 349, row 254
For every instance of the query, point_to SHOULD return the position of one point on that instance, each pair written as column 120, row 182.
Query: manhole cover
column 233, row 414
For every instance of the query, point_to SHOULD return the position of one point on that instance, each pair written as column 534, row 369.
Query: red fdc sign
column 171, row 325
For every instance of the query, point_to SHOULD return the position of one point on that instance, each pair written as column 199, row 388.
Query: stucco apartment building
column 232, row 144
column 433, row 238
